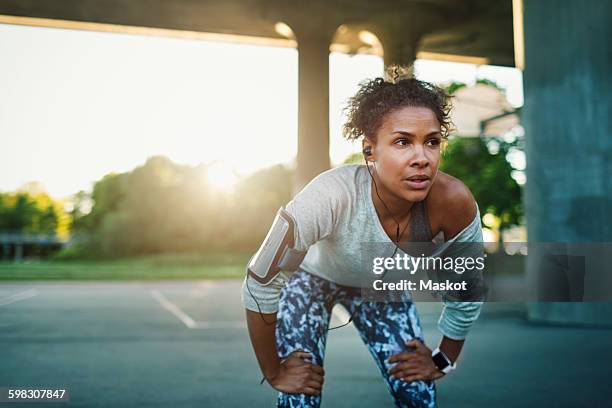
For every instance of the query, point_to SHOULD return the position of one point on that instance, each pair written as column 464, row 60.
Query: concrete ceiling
column 472, row 28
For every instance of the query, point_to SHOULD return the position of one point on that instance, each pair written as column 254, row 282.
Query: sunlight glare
column 222, row 176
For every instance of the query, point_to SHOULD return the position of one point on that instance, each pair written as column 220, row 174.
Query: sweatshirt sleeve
column 458, row 317
column 315, row 211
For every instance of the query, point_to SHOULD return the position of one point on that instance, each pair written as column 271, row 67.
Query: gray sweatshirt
column 334, row 217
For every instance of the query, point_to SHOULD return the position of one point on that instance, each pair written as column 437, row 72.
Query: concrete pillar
column 400, row 34
column 569, row 148
column 313, row 104
column 399, row 47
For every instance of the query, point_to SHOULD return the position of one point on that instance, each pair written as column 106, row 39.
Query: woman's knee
column 298, row 401
column 414, row 394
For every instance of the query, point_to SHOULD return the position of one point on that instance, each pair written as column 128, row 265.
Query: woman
column 399, row 195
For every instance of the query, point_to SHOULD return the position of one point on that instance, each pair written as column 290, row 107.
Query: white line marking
column 16, row 297
column 187, row 320
column 174, row 309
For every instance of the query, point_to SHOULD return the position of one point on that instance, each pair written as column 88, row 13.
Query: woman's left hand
column 414, row 365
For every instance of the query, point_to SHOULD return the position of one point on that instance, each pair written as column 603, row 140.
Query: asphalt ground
column 185, row 344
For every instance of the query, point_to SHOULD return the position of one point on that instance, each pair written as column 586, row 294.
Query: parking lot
column 185, row 344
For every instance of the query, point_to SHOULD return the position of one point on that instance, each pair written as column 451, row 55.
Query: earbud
column 367, row 152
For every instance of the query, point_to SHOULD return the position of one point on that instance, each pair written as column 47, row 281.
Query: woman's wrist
column 271, row 374
column 451, row 348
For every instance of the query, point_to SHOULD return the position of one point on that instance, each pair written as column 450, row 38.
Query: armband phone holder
column 276, row 252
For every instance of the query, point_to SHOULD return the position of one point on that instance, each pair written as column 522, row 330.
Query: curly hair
column 379, row 96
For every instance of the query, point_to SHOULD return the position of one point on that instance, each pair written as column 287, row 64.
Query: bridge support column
column 400, row 34
column 313, row 104
column 398, row 47
column 569, row 151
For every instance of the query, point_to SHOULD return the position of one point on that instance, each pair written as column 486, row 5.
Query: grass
column 172, row 266
column 154, row 267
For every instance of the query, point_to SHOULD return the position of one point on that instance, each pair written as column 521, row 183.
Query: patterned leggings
column 303, row 318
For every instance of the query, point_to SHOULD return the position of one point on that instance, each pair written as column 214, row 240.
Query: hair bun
column 395, row 73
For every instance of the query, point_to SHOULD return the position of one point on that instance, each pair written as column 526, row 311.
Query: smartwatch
column 441, row 361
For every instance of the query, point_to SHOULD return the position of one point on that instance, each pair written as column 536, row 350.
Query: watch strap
column 442, row 361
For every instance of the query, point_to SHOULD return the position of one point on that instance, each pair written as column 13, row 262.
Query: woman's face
column 406, row 152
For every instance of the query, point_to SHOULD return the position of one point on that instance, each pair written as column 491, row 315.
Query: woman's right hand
column 296, row 376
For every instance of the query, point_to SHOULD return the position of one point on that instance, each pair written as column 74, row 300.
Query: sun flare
column 222, row 176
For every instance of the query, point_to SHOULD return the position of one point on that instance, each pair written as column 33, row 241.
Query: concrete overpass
column 472, row 30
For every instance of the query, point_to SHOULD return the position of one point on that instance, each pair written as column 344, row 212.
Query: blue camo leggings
column 303, row 319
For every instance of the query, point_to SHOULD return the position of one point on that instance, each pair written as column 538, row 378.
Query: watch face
column 440, row 361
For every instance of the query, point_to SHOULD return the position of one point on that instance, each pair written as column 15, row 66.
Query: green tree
column 488, row 175
column 165, row 207
column 3, row 212
column 20, row 217
column 256, row 200
column 81, row 206
column 48, row 220
column 29, row 213
column 355, row 158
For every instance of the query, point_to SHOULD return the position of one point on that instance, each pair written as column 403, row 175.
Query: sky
column 76, row 105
